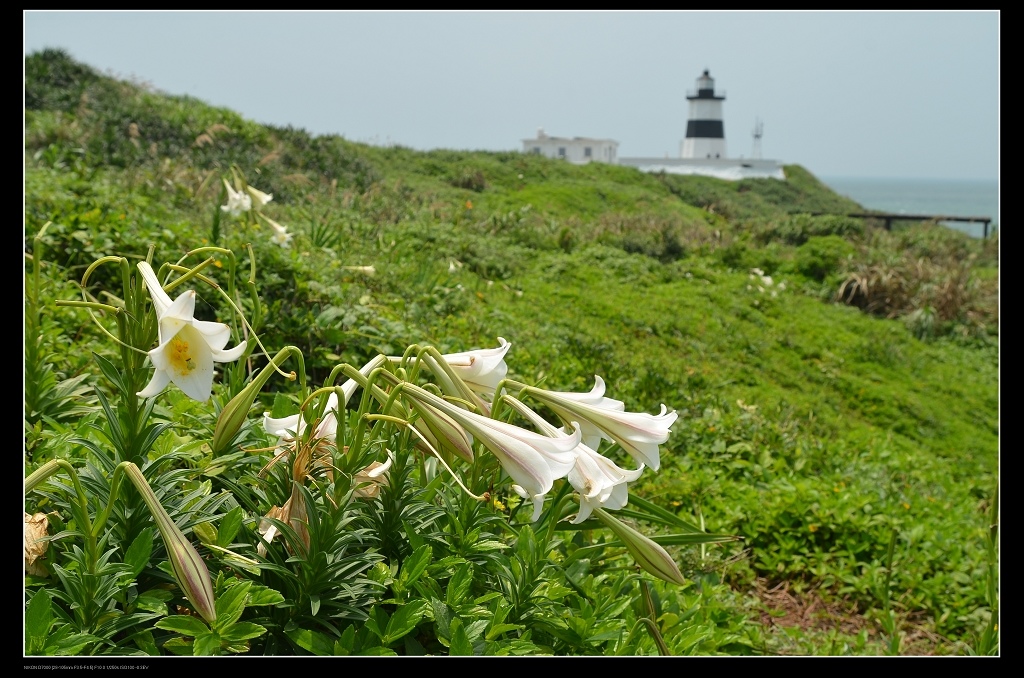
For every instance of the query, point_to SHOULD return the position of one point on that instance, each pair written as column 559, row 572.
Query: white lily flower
column 238, row 202
column 281, row 235
column 600, row 482
column 640, row 434
column 481, row 369
column 291, row 427
column 534, row 461
column 536, row 499
column 597, row 479
column 595, row 397
column 259, row 198
column 188, row 347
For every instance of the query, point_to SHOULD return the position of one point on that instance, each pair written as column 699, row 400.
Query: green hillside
column 836, row 385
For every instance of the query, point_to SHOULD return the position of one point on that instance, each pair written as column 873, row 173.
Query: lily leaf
column 183, row 624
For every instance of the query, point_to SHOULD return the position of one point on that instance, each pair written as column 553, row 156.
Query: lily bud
column 647, row 554
column 190, row 571
column 237, row 409
column 446, row 431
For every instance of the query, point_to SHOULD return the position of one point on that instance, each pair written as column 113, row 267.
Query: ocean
column 925, row 196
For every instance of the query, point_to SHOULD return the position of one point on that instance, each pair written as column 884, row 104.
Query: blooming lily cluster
column 536, row 459
column 459, row 413
column 243, row 199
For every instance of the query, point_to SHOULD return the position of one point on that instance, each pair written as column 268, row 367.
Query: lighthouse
column 705, row 131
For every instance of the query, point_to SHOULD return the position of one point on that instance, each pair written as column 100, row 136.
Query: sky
column 874, row 94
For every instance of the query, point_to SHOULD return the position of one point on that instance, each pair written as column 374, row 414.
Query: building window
column 561, row 151
column 586, row 151
column 536, row 150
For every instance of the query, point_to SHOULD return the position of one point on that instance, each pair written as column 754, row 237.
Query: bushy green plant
column 822, row 256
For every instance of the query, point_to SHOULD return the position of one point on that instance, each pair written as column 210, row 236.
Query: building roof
column 563, row 139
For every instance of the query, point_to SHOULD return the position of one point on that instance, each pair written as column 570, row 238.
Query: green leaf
column 526, row 544
column 206, row 645
column 415, row 540
column 347, row 640
column 490, row 545
column 487, row 597
column 442, row 617
column 231, row 604
column 378, row 618
column 179, row 646
column 112, row 373
column 415, row 565
column 74, row 644
column 183, row 624
column 378, row 652
column 460, row 645
column 206, row 532
column 458, row 585
column 404, row 620
column 144, row 641
column 656, row 514
column 263, row 595
column 38, row 619
column 154, row 600
column 702, row 538
column 229, row 526
column 311, row 641
column 137, row 555
column 241, row 631
column 223, row 463
column 499, row 629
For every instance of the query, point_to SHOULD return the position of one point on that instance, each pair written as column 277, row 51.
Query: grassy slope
column 808, row 427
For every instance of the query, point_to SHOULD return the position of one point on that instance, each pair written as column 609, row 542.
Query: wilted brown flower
column 36, row 543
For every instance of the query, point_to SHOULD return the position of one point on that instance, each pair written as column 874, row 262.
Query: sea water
column 949, row 197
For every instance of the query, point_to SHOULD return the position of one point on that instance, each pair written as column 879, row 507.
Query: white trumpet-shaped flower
column 638, row 433
column 187, row 347
column 291, row 427
column 533, row 461
column 481, row 369
column 281, row 236
column 259, row 198
column 238, row 202
column 597, row 479
column 595, row 397
column 600, row 482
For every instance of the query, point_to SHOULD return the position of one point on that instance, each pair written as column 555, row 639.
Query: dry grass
column 781, row 608
column 929, row 277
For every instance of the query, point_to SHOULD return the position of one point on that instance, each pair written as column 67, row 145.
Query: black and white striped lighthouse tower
column 705, row 131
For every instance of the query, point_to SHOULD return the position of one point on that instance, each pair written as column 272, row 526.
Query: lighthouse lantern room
column 705, row 130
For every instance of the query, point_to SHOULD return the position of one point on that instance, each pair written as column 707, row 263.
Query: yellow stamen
column 181, row 358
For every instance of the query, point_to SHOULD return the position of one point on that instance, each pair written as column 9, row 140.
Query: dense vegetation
column 836, row 387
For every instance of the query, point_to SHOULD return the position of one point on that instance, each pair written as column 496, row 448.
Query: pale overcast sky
column 844, row 94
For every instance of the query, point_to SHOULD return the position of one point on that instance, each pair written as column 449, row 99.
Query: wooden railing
column 889, row 218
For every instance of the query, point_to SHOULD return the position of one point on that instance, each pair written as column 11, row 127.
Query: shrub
column 821, row 256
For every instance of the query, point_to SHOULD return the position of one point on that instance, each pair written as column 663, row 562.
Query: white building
column 577, row 150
